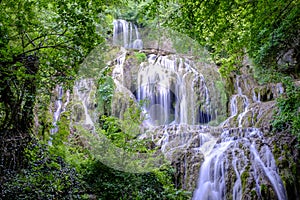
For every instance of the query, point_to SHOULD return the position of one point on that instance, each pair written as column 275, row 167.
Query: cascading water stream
column 60, row 107
column 165, row 86
column 239, row 104
column 82, row 90
column 126, row 34
column 178, row 105
column 238, row 150
column 266, row 164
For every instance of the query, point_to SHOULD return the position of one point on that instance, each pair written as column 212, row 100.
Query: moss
column 111, row 54
column 253, row 194
column 286, row 147
column 294, row 168
column 264, row 191
column 245, row 175
column 263, row 188
column 255, row 116
column 140, row 57
column 265, row 117
column 276, row 152
column 234, row 121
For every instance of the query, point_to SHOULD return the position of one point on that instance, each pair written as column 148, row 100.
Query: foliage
column 267, row 75
column 232, row 29
column 108, row 183
column 42, row 44
column 68, row 170
column 141, row 57
column 118, row 143
column 288, row 117
column 124, row 133
column 131, row 12
column 46, row 177
column 105, row 91
column 164, row 174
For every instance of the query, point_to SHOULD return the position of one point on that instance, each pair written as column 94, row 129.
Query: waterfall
column 181, row 103
column 83, row 93
column 173, row 91
column 126, row 34
column 59, row 108
column 238, row 150
column 240, row 153
column 239, row 104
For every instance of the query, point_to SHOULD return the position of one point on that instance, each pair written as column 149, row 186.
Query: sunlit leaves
column 288, row 117
column 59, row 34
column 235, row 27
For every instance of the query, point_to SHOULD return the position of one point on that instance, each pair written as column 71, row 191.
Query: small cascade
column 256, row 97
column 267, row 92
column 239, row 105
column 59, row 108
column 118, row 73
column 239, row 157
column 83, row 93
column 126, row 34
column 185, row 132
column 173, row 91
column 234, row 158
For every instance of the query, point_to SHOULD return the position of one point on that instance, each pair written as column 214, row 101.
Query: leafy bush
column 288, row 117
column 46, row 177
column 107, row 183
column 141, row 57
column 105, row 91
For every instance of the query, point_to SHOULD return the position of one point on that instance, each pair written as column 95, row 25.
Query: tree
column 264, row 30
column 42, row 44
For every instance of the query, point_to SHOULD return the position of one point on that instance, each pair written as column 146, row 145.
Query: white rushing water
column 169, row 86
column 238, row 150
column 171, row 89
column 243, row 151
column 239, row 105
column 59, row 108
column 82, row 91
column 126, row 34
column 178, row 104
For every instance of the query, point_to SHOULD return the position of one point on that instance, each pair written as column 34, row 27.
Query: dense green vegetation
column 264, row 30
column 289, row 110
column 71, row 172
column 43, row 43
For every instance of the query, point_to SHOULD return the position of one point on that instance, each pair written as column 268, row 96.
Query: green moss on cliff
column 245, row 175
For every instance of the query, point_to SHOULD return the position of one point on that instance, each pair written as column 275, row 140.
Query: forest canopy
column 263, row 30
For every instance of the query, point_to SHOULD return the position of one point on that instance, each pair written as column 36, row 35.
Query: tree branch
column 45, row 35
column 49, row 46
column 30, row 41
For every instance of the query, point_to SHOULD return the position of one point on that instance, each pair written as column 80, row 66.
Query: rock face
column 83, row 105
column 219, row 141
column 235, row 157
